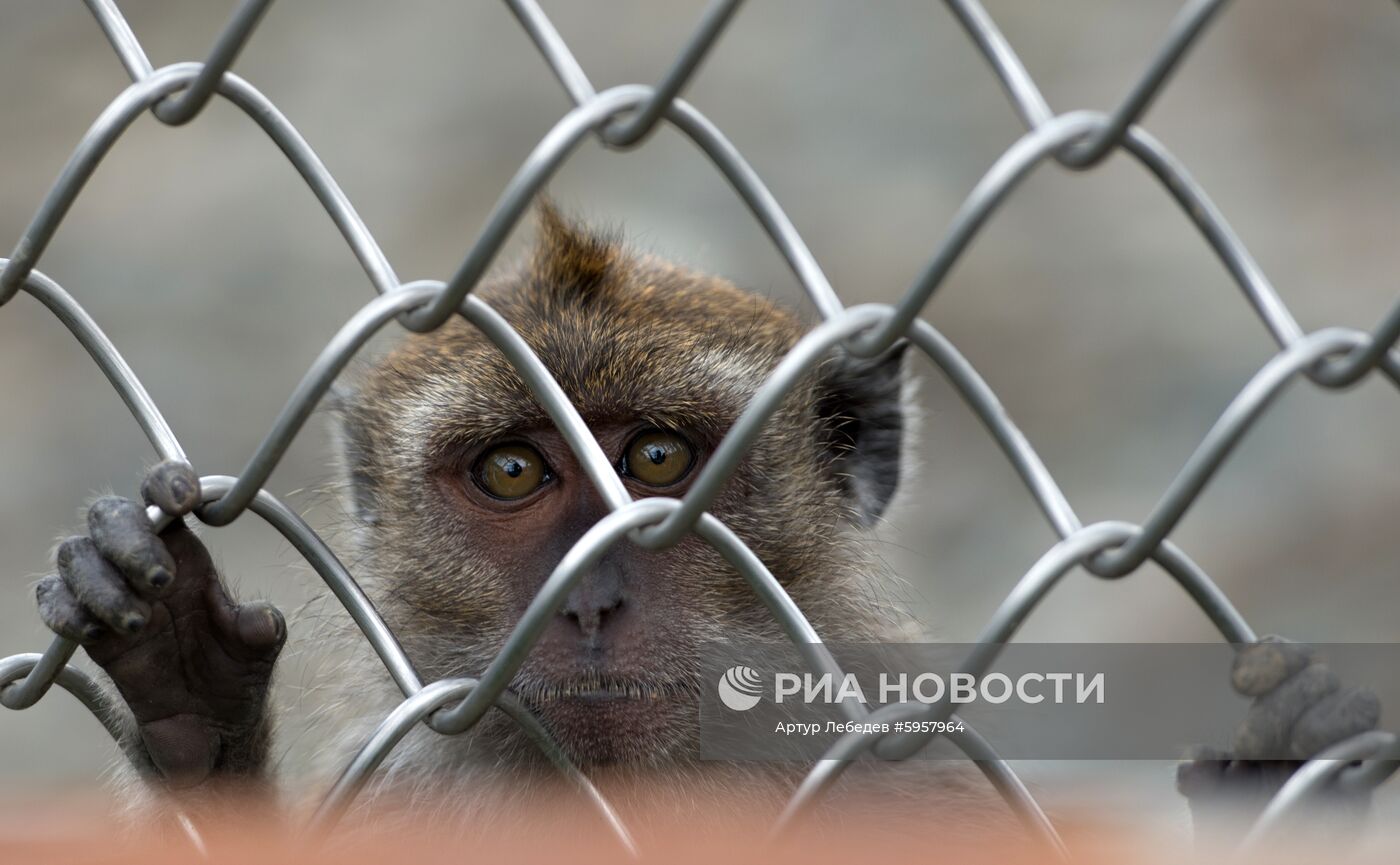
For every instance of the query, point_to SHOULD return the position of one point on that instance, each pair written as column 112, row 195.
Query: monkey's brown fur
column 659, row 362
column 639, row 347
column 630, row 338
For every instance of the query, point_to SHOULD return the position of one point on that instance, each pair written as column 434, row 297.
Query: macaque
column 462, row 497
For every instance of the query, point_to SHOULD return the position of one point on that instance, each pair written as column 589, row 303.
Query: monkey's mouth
column 603, row 720
column 601, row 690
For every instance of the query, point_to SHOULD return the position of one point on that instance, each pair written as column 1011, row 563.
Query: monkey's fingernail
column 159, row 577
column 261, row 625
column 179, row 490
column 134, row 622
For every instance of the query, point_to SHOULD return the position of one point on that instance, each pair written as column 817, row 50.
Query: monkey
column 462, row 496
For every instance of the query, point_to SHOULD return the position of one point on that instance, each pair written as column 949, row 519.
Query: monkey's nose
column 594, row 601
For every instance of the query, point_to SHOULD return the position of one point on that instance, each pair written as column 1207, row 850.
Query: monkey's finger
column 1336, row 717
column 173, row 487
column 1264, row 733
column 1263, row 666
column 261, row 627
column 1201, row 771
column 99, row 587
column 125, row 537
column 256, row 627
column 62, row 614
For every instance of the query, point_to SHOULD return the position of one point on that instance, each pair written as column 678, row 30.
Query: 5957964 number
column 928, row 726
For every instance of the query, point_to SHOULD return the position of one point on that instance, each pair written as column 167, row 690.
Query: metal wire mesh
column 622, row 117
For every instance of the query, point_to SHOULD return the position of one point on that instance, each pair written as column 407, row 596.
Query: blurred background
column 1102, row 319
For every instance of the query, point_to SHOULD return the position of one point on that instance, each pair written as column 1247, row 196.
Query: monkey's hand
column 192, row 665
column 1300, row 709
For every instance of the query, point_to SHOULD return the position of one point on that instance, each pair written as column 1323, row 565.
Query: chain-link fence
column 622, row 117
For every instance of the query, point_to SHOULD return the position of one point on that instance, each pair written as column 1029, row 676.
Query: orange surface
column 65, row 832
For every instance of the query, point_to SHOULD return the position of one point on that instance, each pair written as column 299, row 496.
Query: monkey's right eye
column 511, row 471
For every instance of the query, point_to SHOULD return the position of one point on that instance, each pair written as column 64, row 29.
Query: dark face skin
column 529, row 500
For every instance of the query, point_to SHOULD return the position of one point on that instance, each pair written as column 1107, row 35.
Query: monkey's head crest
column 568, row 258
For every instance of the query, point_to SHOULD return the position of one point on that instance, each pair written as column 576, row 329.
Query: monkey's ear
column 861, row 405
column 352, row 438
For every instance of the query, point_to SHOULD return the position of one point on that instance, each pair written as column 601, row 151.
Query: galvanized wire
column 623, row 117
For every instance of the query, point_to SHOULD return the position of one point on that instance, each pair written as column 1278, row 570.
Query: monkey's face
column 469, row 497
column 611, row 676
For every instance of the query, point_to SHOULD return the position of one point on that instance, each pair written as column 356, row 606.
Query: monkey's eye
column 658, row 458
column 510, row 471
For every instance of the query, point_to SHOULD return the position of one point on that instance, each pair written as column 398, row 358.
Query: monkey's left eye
column 511, row 471
column 658, row 458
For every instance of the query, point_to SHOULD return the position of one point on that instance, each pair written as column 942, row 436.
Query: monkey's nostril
column 591, row 607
